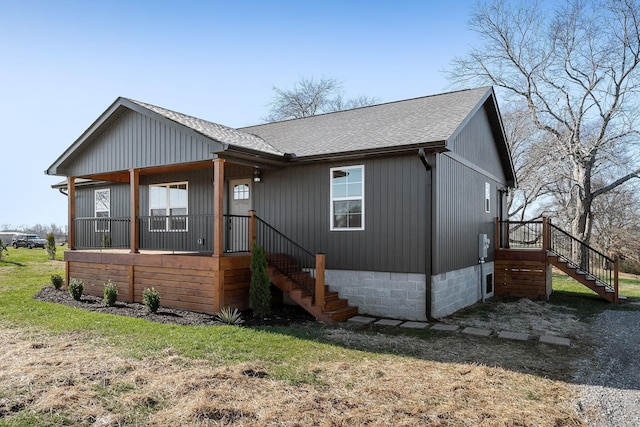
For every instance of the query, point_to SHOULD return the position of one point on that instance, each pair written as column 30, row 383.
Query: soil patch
column 282, row 315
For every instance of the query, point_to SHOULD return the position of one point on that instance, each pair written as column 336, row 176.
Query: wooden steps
column 587, row 280
column 299, row 287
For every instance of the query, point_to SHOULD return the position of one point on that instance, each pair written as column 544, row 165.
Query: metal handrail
column 287, row 256
column 583, row 257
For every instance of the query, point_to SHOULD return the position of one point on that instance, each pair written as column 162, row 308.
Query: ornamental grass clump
column 57, row 281
column 151, row 300
column 229, row 316
column 76, row 286
column 110, row 293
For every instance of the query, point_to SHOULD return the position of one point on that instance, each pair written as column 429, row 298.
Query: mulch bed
column 281, row 315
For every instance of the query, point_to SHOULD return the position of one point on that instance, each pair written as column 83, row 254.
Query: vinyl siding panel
column 460, row 215
column 137, row 141
column 296, row 201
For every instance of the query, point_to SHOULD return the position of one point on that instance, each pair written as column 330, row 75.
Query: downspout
column 423, row 158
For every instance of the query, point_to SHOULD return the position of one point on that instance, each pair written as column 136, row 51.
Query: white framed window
column 168, row 206
column 102, row 209
column 487, row 197
column 347, row 198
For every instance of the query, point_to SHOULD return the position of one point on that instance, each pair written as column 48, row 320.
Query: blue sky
column 62, row 63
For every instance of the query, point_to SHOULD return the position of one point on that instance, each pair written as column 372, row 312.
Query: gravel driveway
column 608, row 382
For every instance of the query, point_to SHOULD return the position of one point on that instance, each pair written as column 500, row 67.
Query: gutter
column 429, row 261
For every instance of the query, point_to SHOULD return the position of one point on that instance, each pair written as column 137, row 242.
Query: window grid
column 168, row 207
column 347, row 198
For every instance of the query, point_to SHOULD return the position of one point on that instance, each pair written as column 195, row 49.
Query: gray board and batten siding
column 296, row 201
column 133, row 140
column 200, row 202
column 459, row 197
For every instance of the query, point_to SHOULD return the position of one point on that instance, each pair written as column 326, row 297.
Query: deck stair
column 300, row 286
column 547, row 244
column 592, row 282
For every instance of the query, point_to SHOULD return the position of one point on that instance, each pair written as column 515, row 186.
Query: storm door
column 237, row 229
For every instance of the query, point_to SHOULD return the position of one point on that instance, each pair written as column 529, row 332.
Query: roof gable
column 156, row 136
column 426, row 122
column 418, row 121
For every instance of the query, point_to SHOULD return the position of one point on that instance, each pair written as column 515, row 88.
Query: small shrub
column 110, row 294
column 151, row 300
column 51, row 246
column 229, row 316
column 76, row 286
column 57, row 281
column 259, row 291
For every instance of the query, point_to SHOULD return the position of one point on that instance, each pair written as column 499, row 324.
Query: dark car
column 28, row 241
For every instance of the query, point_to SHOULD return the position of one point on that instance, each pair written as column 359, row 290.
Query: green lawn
column 284, row 350
column 67, row 366
column 568, row 292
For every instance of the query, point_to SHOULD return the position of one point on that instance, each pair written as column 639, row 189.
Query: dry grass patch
column 83, row 383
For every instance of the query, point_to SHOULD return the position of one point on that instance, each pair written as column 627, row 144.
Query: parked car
column 27, row 241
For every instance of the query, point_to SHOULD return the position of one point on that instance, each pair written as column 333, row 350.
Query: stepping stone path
column 450, row 327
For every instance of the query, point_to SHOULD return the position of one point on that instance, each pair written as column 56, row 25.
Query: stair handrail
column 277, row 244
column 584, row 258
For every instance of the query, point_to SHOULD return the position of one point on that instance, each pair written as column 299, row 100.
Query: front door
column 237, row 224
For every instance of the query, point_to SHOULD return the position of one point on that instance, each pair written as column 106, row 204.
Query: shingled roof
column 215, row 131
column 410, row 122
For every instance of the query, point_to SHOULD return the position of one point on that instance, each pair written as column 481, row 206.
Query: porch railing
column 288, row 257
column 102, row 233
column 174, row 233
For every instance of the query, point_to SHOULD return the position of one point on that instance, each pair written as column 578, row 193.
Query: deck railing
column 544, row 236
column 521, row 234
column 583, row 257
column 287, row 256
column 172, row 233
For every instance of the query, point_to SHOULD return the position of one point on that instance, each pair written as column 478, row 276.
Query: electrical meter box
column 483, row 246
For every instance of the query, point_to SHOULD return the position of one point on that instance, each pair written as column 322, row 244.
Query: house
column 385, row 209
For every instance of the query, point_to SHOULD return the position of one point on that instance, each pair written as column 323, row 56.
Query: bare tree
column 310, row 97
column 577, row 69
column 530, row 158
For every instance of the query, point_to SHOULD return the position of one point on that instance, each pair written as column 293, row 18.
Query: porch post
column 252, row 229
column 134, row 184
column 320, row 263
column 218, row 203
column 71, row 199
column 498, row 242
column 545, row 234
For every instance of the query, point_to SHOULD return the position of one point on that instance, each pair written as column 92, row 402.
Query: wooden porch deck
column 189, row 281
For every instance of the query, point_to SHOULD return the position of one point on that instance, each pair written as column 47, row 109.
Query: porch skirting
column 191, row 282
column 385, row 294
column 457, row 289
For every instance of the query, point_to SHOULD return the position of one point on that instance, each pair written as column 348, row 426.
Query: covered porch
column 197, row 261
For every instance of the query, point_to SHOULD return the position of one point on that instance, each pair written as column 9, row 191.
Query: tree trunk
column 581, row 224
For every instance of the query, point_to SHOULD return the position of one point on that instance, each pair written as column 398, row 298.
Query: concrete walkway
column 453, row 328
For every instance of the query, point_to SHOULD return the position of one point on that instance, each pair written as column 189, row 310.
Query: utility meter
column 483, row 246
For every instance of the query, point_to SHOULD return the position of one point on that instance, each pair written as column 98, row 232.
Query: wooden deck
column 522, row 273
column 199, row 283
